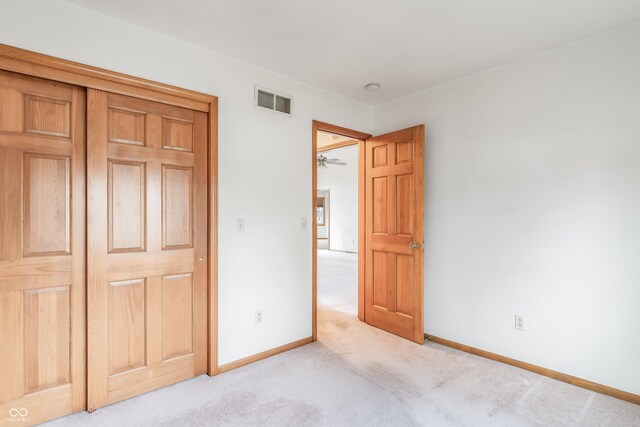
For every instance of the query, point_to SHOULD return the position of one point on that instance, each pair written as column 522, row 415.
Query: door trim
column 49, row 67
column 359, row 138
column 52, row 68
column 212, row 367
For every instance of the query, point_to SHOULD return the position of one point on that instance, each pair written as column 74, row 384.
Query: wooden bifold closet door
column 147, row 246
column 42, row 249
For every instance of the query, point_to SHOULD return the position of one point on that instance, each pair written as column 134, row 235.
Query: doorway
column 327, row 138
column 389, row 230
column 336, row 221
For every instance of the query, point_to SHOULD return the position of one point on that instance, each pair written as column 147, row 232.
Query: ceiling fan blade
column 336, row 163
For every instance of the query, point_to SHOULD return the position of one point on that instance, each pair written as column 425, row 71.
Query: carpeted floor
column 338, row 281
column 356, row 375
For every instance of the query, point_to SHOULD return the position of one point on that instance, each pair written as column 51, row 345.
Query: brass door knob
column 416, row 245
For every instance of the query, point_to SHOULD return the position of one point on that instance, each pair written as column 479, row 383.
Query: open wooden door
column 147, row 246
column 394, row 217
column 42, row 249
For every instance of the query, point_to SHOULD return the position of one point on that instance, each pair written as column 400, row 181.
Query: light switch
column 303, row 224
column 240, row 225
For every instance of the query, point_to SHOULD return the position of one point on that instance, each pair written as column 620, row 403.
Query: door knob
column 416, row 245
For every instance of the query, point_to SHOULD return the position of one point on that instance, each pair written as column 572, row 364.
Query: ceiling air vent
column 266, row 98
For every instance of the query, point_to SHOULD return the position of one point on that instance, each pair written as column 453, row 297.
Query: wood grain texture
column 43, row 406
column 42, row 281
column 590, row 385
column 212, row 221
column 39, row 65
column 127, row 126
column 177, row 207
column 394, row 218
column 200, row 243
column 47, row 338
column 47, row 116
column 126, row 328
column 47, row 205
column 97, row 246
column 10, row 208
column 39, row 116
column 361, row 228
column 177, row 312
column 78, row 244
column 178, row 134
column 126, row 206
column 157, row 306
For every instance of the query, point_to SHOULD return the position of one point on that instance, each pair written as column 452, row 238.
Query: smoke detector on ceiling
column 372, row 86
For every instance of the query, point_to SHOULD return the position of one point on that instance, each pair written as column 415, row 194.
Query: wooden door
column 42, row 249
column 147, row 246
column 394, row 224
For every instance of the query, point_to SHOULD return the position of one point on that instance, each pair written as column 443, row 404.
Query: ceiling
column 405, row 45
column 325, row 138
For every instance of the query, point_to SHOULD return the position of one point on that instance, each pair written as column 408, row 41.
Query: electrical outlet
column 259, row 317
column 240, row 225
column 303, row 224
column 519, row 322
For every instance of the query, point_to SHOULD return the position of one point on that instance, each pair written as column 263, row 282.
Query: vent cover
column 271, row 100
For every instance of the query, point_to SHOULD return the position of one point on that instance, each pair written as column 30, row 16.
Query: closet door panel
column 42, row 248
column 147, row 246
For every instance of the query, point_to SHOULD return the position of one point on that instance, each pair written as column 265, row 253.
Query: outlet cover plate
column 519, row 324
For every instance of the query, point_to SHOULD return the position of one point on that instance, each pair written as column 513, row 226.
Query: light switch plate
column 240, row 225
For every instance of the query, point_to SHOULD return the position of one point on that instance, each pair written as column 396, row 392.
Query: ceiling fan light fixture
column 324, row 162
column 372, row 86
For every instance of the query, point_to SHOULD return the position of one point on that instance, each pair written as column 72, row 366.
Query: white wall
column 269, row 266
column 533, row 207
column 532, row 200
column 342, row 183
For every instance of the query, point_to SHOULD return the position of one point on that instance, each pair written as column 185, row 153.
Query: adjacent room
column 337, row 222
column 320, row 213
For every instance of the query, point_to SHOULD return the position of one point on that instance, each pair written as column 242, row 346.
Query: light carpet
column 356, row 375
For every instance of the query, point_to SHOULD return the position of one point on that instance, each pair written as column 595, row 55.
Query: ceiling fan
column 324, row 161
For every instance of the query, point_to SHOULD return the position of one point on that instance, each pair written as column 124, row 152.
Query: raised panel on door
column 127, row 337
column 379, row 204
column 126, row 126
column 147, row 192
column 177, row 310
column 379, row 279
column 42, row 248
column 404, row 205
column 48, row 116
column 47, row 342
column 177, row 207
column 47, row 205
column 126, row 193
column 404, row 280
column 394, row 227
